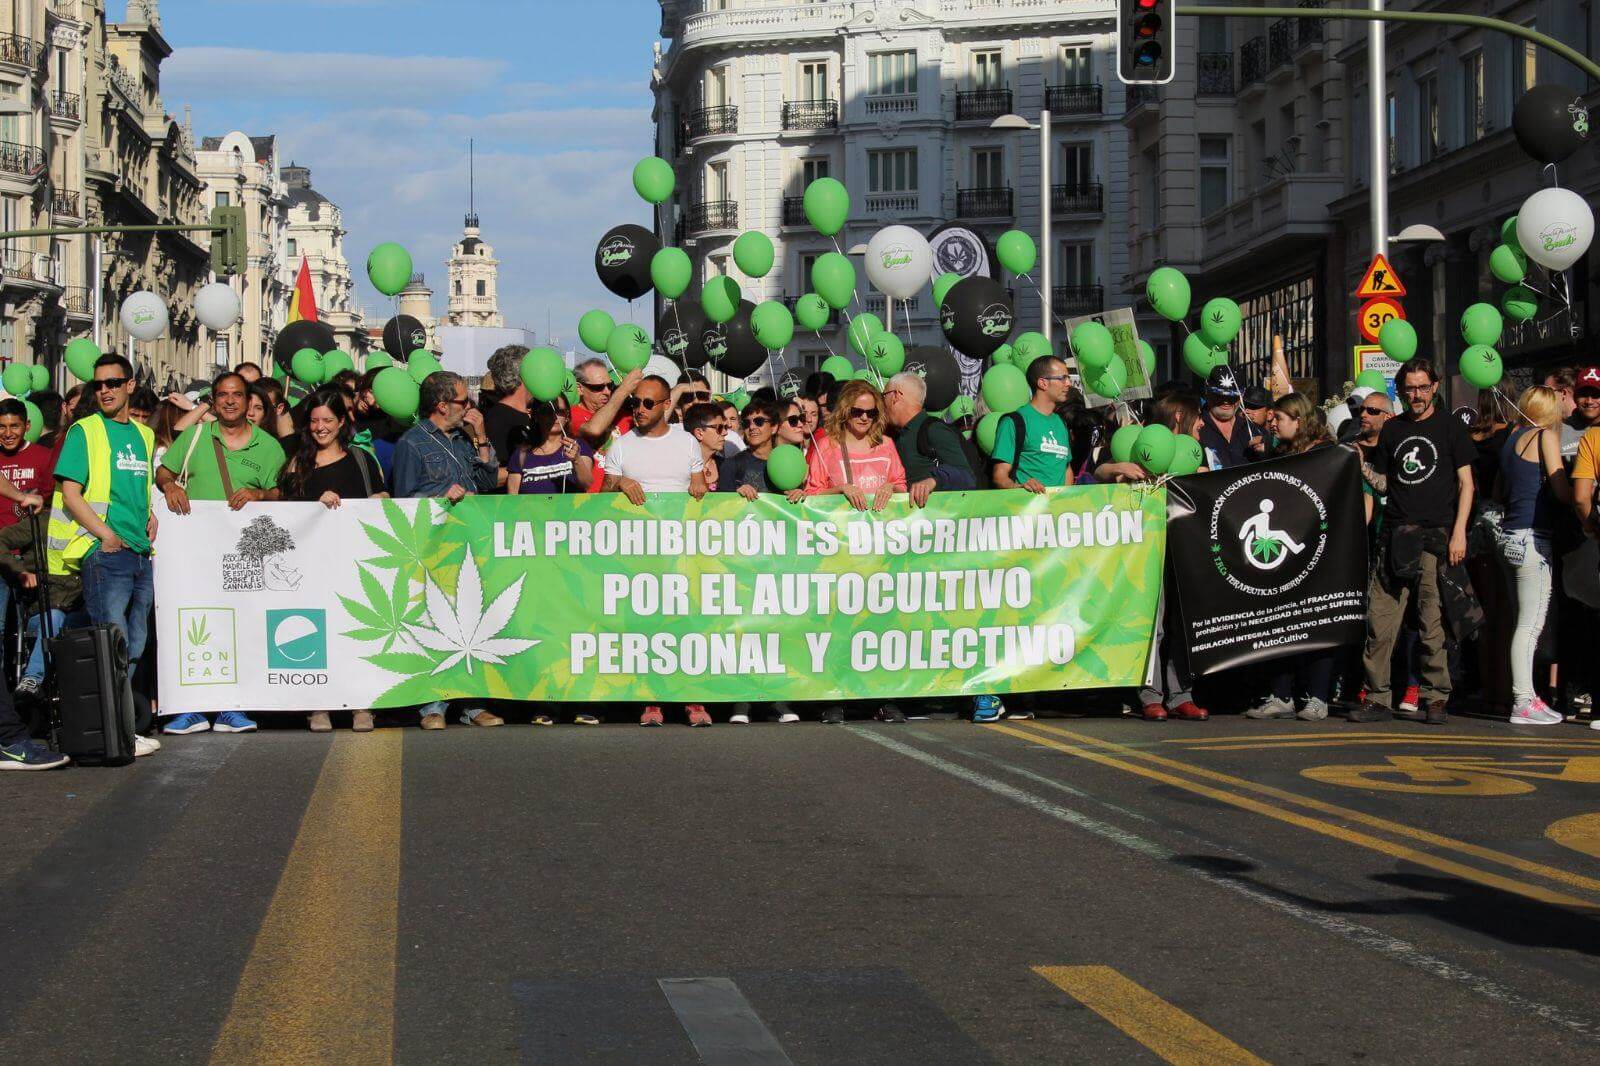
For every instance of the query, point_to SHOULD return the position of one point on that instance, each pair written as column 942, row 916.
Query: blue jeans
column 441, row 707
column 59, row 620
column 119, row 589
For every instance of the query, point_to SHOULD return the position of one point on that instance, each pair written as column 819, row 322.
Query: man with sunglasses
column 1226, row 437
column 602, row 412
column 100, row 520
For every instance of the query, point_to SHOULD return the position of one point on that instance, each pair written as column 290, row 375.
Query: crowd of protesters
column 1482, row 529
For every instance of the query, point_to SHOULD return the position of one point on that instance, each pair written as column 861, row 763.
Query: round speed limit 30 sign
column 1375, row 313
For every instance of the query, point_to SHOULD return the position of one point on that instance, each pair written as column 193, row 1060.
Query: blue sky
column 379, row 98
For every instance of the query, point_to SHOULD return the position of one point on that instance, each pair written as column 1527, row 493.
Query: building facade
column 314, row 231
column 242, row 170
column 416, row 300
column 474, row 277
column 754, row 101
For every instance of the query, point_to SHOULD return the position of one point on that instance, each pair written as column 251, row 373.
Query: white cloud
column 209, row 72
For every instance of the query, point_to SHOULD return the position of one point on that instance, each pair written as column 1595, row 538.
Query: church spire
column 472, row 181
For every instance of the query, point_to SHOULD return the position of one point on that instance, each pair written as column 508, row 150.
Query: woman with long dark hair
column 549, row 459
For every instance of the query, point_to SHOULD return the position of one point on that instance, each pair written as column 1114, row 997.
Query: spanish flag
column 303, row 304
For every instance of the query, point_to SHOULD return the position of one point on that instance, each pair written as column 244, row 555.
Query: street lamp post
column 1046, row 293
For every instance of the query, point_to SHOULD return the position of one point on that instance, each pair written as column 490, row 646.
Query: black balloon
column 940, row 374
column 1550, row 122
column 302, row 334
column 977, row 317
column 622, row 260
column 732, row 346
column 790, row 385
column 403, row 335
column 680, row 334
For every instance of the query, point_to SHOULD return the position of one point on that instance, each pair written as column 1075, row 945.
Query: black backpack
column 976, row 461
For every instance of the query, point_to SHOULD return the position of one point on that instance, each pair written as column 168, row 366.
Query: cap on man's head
column 1221, row 382
column 1588, row 381
column 1255, row 398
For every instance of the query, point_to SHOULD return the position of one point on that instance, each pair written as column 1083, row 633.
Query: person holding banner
column 746, row 473
column 1171, row 695
column 1033, row 444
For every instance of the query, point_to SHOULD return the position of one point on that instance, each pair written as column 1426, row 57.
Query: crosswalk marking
column 1174, row 1035
column 721, row 1024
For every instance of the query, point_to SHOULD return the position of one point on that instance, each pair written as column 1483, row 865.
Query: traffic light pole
column 1378, row 119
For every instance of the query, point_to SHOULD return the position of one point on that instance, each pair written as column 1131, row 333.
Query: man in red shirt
column 27, row 466
column 598, row 414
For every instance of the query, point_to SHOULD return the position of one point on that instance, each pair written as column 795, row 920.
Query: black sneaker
column 833, row 715
column 891, row 712
column 1433, row 712
column 1369, row 712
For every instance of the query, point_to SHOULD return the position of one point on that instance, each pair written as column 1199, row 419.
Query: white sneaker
column 789, row 717
column 1535, row 712
column 738, row 719
column 145, row 746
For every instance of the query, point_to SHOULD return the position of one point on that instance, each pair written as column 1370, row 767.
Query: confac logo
column 995, row 321
column 1415, row 460
column 206, row 649
column 261, row 560
column 1268, row 532
column 616, row 252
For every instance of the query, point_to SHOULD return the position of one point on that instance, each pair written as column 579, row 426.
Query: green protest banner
column 586, row 598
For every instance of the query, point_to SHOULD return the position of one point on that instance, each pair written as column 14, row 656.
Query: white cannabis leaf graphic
column 464, row 628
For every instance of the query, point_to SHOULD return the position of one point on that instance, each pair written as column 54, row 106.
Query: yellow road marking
column 1292, row 740
column 1176, row 1036
column 1580, row 833
column 319, row 983
column 1316, row 825
column 1357, row 742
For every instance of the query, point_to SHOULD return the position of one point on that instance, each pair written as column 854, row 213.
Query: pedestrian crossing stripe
column 1380, row 280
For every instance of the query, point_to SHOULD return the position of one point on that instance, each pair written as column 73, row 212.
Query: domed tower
column 474, row 272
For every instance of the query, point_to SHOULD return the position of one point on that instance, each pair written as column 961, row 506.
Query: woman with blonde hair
column 853, row 458
column 1532, row 480
column 1298, row 425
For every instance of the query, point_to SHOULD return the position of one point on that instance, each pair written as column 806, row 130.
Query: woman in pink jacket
column 852, row 458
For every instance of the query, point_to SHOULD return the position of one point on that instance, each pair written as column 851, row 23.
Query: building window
column 716, row 182
column 219, row 350
column 807, row 261
column 891, row 73
column 458, row 286
column 986, row 72
column 716, row 87
column 294, row 247
column 812, row 169
column 1428, row 146
column 1473, row 120
column 1258, row 151
column 1394, row 142
column 483, row 288
column 892, row 171
column 988, row 168
column 1150, row 190
column 1077, row 264
column 1216, row 174
column 814, row 80
column 1527, row 73
column 1077, row 65
column 1077, row 164
column 224, row 199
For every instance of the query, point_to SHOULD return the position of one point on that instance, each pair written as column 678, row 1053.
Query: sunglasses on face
column 863, row 412
column 697, row 396
column 109, row 383
column 647, row 405
column 604, row 386
column 756, row 422
column 795, row 420
column 1373, row 410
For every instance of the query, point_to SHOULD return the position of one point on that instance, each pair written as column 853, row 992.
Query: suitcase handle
column 42, row 561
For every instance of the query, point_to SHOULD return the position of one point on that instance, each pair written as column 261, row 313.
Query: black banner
column 1269, row 559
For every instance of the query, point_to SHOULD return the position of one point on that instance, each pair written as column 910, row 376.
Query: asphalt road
column 1062, row 891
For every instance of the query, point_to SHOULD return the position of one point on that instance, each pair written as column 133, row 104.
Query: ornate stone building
column 474, row 273
column 243, row 170
column 315, row 231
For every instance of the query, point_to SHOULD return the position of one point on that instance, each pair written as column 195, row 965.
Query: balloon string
column 683, row 362
column 1057, row 319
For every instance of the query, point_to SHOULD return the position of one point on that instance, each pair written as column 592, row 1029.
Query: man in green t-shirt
column 118, row 582
column 1042, row 458
column 231, row 460
column 253, row 458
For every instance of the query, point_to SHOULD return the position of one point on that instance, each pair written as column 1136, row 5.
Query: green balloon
column 1480, row 324
column 594, row 329
column 834, row 278
column 960, row 407
column 35, row 422
column 773, row 325
column 1509, row 264
column 941, row 285
column 827, row 206
column 863, row 328
column 1092, row 344
column 336, row 362
column 396, row 393
column 1520, row 303
column 720, row 300
column 753, row 253
column 377, row 361
column 985, row 430
column 1153, row 449
column 866, row 373
column 1508, row 233
column 1198, row 356
column 1016, row 251
column 1110, row 380
column 544, row 374
column 628, row 348
column 80, row 355
column 307, row 367
column 1481, row 366
column 1220, row 321
column 812, row 312
column 1187, row 456
column 653, row 180
column 886, row 354
column 1005, row 388
column 41, row 378
column 1027, row 348
column 1122, row 442
column 1168, row 292
column 18, row 379
column 572, row 396
column 1003, row 354
column 421, row 363
column 739, row 398
column 838, row 368
column 670, row 272
column 389, row 268
column 786, row 468
column 1147, row 359
column 1398, row 339
column 1372, row 379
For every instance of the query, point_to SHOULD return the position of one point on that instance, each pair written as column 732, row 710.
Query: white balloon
column 899, row 261
column 144, row 314
column 217, row 306
column 1555, row 228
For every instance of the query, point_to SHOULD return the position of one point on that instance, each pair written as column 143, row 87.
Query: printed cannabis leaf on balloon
column 463, row 629
column 386, row 614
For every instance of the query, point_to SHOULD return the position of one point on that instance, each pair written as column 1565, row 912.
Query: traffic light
column 1144, row 42
column 229, row 250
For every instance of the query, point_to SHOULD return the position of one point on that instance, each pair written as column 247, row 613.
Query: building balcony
column 66, row 203
column 982, row 104
column 716, row 121
column 1070, row 300
column 811, row 115
column 1280, row 44
column 1310, row 33
column 1074, row 99
column 30, row 268
column 891, row 104
column 892, row 203
column 21, row 159
column 984, row 202
column 1214, row 74
column 18, row 51
column 713, row 215
column 876, row 303
column 794, row 211
column 66, row 106
column 767, row 24
column 77, row 301
column 1291, row 207
column 1253, row 62
column 1137, row 96
column 1086, row 198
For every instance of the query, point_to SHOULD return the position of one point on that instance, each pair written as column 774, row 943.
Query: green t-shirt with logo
column 129, row 513
column 1046, row 449
column 255, row 466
